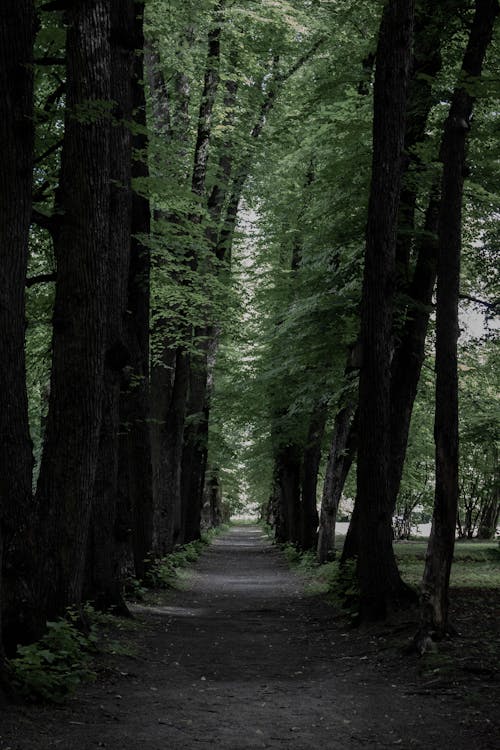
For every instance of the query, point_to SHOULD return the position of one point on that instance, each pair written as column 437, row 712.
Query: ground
column 245, row 657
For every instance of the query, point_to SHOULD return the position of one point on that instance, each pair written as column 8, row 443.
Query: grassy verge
column 475, row 565
column 169, row 572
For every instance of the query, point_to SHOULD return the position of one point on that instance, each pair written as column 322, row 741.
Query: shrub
column 50, row 669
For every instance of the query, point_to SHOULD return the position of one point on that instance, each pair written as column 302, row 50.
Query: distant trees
column 304, row 345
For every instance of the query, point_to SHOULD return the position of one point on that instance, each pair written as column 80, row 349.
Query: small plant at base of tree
column 52, row 668
column 343, row 588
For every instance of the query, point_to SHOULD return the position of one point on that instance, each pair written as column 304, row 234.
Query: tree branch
column 49, row 60
column 42, row 278
column 48, row 152
column 493, row 306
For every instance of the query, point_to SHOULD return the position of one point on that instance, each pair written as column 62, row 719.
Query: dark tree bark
column 170, row 412
column 410, row 339
column 338, row 466
column 194, row 436
column 103, row 584
column 379, row 579
column 17, row 31
column 439, row 557
column 286, row 492
column 311, row 458
column 135, row 459
column 66, row 482
column 195, row 447
column 170, row 370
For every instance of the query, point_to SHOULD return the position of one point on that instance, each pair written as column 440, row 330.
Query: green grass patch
column 475, row 564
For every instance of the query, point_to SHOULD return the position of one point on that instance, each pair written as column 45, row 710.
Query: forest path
column 244, row 658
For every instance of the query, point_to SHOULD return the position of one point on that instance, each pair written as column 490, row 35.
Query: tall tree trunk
column 170, row 411
column 439, row 557
column 103, row 564
column 338, row 465
column 67, row 473
column 410, row 340
column 409, row 355
column 311, row 458
column 196, row 433
column 17, row 31
column 410, row 344
column 195, row 443
column 135, row 460
column 286, row 493
column 379, row 579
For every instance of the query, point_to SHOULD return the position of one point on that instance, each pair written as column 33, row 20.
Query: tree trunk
column 287, row 476
column 103, row 564
column 410, row 340
column 135, row 461
column 195, row 446
column 338, row 466
column 67, row 473
column 489, row 518
column 410, row 344
column 379, row 580
column 170, row 491
column 17, row 31
column 439, row 557
column 311, row 458
column 170, row 405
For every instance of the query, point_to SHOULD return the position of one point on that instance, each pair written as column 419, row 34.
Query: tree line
column 337, row 342
column 131, row 138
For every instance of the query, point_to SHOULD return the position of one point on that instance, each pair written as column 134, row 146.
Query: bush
column 54, row 666
column 342, row 583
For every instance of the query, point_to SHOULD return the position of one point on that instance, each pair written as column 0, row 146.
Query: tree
column 17, row 32
column 81, row 243
column 135, row 453
column 439, row 557
column 102, row 584
column 379, row 579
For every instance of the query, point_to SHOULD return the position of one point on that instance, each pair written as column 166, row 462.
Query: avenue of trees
column 231, row 238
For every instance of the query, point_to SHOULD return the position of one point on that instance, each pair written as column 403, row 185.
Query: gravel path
column 244, row 658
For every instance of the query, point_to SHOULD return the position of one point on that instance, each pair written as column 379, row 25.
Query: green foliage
column 343, row 589
column 53, row 667
column 164, row 573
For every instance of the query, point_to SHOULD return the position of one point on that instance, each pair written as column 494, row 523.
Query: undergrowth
column 50, row 669
column 475, row 565
column 337, row 582
column 164, row 572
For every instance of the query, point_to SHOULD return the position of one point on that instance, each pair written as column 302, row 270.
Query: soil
column 244, row 657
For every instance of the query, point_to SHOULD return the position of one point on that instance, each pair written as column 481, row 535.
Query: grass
column 476, row 564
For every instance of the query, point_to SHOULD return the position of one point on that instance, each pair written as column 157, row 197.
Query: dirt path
column 245, row 659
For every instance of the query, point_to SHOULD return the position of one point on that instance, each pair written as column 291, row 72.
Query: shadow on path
column 245, row 659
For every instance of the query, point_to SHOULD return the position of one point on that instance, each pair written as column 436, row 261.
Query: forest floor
column 244, row 657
